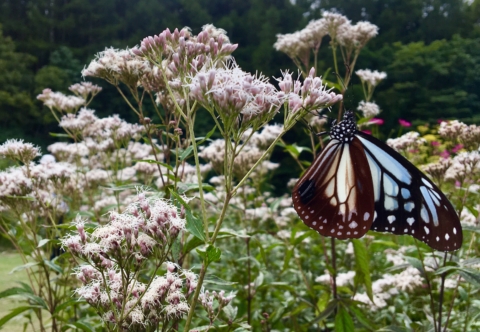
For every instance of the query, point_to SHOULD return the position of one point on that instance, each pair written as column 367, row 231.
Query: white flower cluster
column 147, row 228
column 59, row 102
column 389, row 285
column 368, row 109
column 118, row 66
column 464, row 165
column 235, row 92
column 85, row 89
column 311, row 94
column 410, row 140
column 336, row 25
column 19, row 150
column 456, row 130
column 371, row 77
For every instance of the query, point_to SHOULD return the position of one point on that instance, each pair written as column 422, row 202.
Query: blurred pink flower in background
column 369, row 132
column 404, row 123
column 445, row 154
column 376, row 121
column 435, row 143
column 457, row 148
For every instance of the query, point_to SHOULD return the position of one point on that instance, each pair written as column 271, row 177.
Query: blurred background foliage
column 430, row 50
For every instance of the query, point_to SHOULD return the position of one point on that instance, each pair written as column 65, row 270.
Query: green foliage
column 428, row 81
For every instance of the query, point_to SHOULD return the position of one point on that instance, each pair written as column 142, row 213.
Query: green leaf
column 53, row 266
column 325, row 313
column 230, row 312
column 362, row 269
column 416, row 263
column 194, row 226
column 180, row 199
column 59, row 135
column 213, row 254
column 343, row 321
column 186, row 153
column 362, row 318
column 286, row 261
column 302, row 237
column 471, row 228
column 83, row 326
column 470, row 275
column 209, row 134
column 23, row 267
column 15, row 312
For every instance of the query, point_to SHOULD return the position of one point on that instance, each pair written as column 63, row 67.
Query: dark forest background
column 430, row 50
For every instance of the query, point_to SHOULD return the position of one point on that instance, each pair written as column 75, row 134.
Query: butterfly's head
column 345, row 129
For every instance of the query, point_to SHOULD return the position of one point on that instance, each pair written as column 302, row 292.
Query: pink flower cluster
column 310, row 95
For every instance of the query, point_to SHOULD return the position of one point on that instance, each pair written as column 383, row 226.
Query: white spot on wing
column 314, row 223
column 447, row 236
column 388, row 162
column 353, row 224
column 365, row 216
column 409, row 206
column 454, row 230
column 438, row 239
column 410, row 221
column 391, row 219
column 405, row 193
column 427, row 231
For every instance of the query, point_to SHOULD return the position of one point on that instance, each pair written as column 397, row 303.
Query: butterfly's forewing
column 407, row 202
column 335, row 195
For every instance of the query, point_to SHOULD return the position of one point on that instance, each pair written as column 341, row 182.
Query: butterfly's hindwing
column 406, row 201
column 335, row 195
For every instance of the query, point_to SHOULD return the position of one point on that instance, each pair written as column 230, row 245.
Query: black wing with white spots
column 407, row 202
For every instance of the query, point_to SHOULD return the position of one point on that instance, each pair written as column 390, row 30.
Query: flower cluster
column 310, row 95
column 368, row 109
column 117, row 252
column 371, row 77
column 455, row 130
column 18, row 150
column 410, row 140
column 57, row 101
column 232, row 92
column 464, row 166
column 337, row 26
column 214, row 302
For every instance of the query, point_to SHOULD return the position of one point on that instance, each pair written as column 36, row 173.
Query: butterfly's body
column 359, row 183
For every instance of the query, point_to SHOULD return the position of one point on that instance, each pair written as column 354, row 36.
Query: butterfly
column 359, row 183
